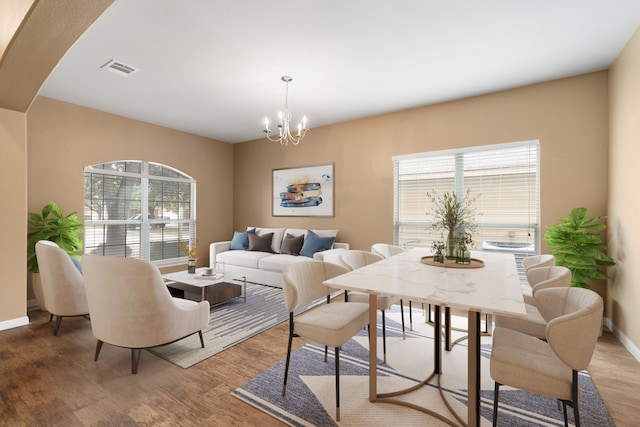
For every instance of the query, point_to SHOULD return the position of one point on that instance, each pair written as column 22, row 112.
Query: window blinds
column 505, row 178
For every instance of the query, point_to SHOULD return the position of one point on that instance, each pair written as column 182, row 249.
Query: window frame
column 145, row 222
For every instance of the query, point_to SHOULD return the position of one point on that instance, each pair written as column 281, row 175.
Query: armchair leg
column 135, row 359
column 57, row 326
column 201, row 338
column 496, row 391
column 98, row 348
column 286, row 366
column 337, row 352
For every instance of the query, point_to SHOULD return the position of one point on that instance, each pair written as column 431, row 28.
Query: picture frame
column 303, row 191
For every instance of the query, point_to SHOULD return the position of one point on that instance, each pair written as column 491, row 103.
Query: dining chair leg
column 384, row 338
column 574, row 398
column 57, row 327
column 286, row 366
column 135, row 359
column 50, row 317
column 337, row 357
column 410, row 317
column 564, row 413
column 496, row 390
column 404, row 336
column 201, row 338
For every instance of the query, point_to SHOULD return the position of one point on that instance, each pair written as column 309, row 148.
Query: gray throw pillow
column 260, row 243
column 291, row 245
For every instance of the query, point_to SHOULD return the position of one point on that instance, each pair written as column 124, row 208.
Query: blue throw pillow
column 239, row 242
column 76, row 262
column 314, row 243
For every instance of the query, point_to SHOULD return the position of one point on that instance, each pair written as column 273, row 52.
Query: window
column 505, row 176
column 138, row 209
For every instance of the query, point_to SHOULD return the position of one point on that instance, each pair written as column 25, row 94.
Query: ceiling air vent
column 119, row 68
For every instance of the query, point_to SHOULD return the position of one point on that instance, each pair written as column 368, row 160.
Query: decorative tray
column 451, row 263
column 210, row 276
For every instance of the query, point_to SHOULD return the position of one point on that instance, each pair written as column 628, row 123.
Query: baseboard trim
column 14, row 323
column 626, row 342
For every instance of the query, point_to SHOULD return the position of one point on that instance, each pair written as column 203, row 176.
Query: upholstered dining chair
column 535, row 261
column 550, row 368
column 539, row 278
column 386, row 250
column 330, row 324
column 131, row 306
column 62, row 283
column 354, row 259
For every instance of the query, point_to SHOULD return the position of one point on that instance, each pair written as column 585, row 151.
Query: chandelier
column 284, row 135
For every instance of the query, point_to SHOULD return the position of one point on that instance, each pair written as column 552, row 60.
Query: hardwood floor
column 53, row 381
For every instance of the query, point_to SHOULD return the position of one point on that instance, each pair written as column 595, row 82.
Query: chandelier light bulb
column 284, row 118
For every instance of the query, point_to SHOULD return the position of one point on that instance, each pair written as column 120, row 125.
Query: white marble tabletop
column 494, row 288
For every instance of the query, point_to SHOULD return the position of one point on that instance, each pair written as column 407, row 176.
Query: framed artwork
column 303, row 191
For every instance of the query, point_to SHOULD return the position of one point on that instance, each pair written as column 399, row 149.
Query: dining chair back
column 386, row 250
column 540, row 278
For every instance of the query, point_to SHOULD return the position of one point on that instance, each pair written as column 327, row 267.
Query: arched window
column 138, row 209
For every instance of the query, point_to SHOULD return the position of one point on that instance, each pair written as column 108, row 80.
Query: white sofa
column 266, row 267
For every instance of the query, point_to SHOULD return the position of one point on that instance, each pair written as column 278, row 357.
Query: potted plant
column 455, row 215
column 52, row 225
column 577, row 245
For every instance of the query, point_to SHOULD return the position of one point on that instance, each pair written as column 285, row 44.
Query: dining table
column 488, row 285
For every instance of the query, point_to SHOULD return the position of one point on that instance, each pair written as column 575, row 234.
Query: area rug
column 229, row 324
column 310, row 398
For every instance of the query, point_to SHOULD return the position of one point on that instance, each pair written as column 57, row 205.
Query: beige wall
column 624, row 204
column 13, row 188
column 568, row 116
column 64, row 138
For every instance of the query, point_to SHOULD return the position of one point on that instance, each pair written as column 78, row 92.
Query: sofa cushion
column 240, row 241
column 314, row 243
column 277, row 263
column 278, row 234
column 248, row 259
column 291, row 245
column 260, row 243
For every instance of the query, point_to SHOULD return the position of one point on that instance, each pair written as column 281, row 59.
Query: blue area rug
column 310, row 398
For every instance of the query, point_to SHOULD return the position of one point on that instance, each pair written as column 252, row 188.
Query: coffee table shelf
column 197, row 287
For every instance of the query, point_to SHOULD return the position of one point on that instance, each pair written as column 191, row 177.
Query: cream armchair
column 62, row 285
column 131, row 306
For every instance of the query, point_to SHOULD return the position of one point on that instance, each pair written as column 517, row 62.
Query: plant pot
column 36, row 285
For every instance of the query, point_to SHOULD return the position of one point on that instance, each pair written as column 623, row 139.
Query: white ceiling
column 213, row 67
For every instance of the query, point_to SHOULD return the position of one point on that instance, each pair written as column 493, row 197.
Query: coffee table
column 216, row 288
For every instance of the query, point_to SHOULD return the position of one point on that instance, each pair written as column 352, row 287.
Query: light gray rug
column 229, row 324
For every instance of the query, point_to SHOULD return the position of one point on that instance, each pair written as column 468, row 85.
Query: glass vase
column 191, row 266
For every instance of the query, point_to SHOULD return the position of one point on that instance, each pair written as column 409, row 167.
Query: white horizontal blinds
column 504, row 176
column 415, row 178
column 138, row 209
column 507, row 180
